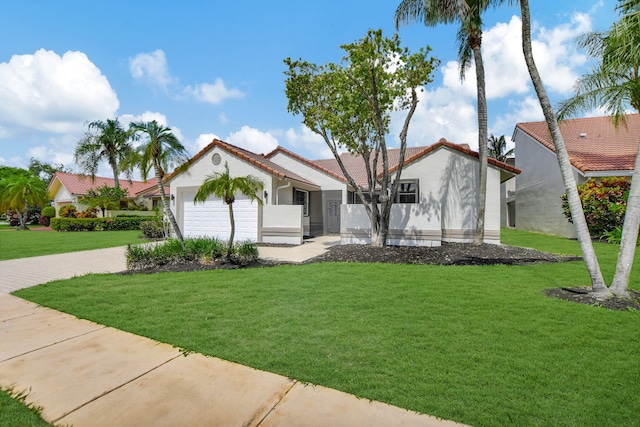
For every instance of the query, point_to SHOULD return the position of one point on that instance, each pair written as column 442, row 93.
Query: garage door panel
column 211, row 218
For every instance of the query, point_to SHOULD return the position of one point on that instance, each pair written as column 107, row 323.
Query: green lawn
column 479, row 345
column 13, row 413
column 23, row 244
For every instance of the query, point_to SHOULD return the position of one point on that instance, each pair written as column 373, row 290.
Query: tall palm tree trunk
column 165, row 205
column 232, row 221
column 577, row 214
column 483, row 139
column 629, row 235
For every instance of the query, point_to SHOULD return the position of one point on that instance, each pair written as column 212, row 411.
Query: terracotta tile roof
column 79, row 184
column 258, row 160
column 602, row 147
column 315, row 165
column 355, row 166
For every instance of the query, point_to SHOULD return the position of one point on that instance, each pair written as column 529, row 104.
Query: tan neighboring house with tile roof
column 437, row 201
column 596, row 149
column 69, row 189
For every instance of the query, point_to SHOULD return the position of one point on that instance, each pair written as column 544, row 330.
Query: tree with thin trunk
column 105, row 141
column 350, row 104
column 159, row 150
column 225, row 187
column 20, row 192
column 614, row 85
column 573, row 198
column 498, row 148
column 468, row 13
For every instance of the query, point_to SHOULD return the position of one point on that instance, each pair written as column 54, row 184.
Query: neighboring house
column 596, row 149
column 437, row 198
column 70, row 189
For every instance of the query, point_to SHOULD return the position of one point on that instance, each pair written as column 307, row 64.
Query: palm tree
column 615, row 86
column 468, row 14
column 109, row 141
column 20, row 192
column 588, row 254
column 160, row 151
column 498, row 147
column 224, row 187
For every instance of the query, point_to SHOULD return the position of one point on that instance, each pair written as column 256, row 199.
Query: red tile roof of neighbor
column 594, row 144
column 79, row 184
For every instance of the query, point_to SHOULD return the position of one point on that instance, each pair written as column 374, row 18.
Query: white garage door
column 211, row 218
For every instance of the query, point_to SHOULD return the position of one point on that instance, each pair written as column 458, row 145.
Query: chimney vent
column 583, row 135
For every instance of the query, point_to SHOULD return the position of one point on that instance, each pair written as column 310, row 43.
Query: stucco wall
column 538, row 189
column 448, row 183
column 282, row 224
column 192, row 179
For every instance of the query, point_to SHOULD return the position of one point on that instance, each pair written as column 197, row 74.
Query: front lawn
column 13, row 412
column 29, row 243
column 479, row 345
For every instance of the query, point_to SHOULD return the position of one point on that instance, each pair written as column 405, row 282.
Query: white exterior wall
column 282, row 224
column 448, row 183
column 190, row 180
column 326, row 182
column 538, row 189
column 410, row 225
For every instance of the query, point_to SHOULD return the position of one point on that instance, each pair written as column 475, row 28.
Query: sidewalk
column 85, row 374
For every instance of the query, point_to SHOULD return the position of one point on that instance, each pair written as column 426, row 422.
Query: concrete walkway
column 85, row 374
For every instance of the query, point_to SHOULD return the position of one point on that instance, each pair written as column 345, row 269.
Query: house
column 69, row 189
column 437, row 200
column 596, row 147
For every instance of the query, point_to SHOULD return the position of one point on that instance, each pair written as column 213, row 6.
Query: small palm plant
column 224, row 187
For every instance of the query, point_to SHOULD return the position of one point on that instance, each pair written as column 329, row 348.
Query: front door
column 333, row 216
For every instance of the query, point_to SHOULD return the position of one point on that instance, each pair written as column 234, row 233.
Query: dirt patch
column 447, row 254
column 580, row 294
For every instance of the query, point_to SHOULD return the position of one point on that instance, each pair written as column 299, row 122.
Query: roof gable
column 257, row 160
column 594, row 144
column 307, row 162
column 355, row 166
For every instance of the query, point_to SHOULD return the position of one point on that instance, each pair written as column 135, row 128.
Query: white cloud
column 148, row 116
column 306, row 140
column 253, row 140
column 505, row 70
column 525, row 110
column 212, row 93
column 222, row 117
column 203, row 140
column 151, row 67
column 51, row 93
column 441, row 113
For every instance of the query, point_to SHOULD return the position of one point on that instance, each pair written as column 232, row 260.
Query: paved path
column 85, row 374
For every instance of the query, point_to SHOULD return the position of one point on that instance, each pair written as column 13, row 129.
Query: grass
column 14, row 413
column 479, row 345
column 23, row 244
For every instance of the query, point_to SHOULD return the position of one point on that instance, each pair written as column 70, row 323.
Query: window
column 407, row 192
column 301, row 197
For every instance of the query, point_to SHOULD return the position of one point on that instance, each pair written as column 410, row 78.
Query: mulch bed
column 447, row 254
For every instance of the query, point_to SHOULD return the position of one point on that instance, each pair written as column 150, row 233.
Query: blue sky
column 216, row 68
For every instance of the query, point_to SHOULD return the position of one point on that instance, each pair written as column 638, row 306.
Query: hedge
column 97, row 224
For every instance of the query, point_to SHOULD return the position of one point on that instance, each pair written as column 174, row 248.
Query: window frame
column 305, row 200
column 415, row 193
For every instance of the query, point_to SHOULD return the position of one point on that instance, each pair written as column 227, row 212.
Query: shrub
column 67, row 211
column 96, row 224
column 89, row 213
column 170, row 251
column 604, row 202
column 245, row 252
column 48, row 211
column 153, row 229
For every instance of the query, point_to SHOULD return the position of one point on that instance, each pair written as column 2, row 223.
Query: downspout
column 282, row 187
